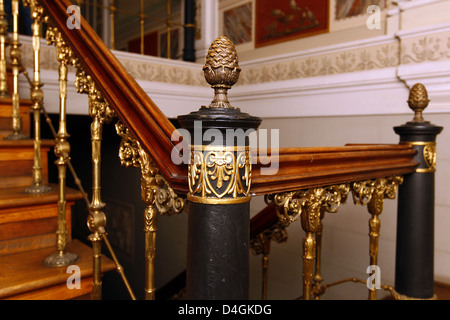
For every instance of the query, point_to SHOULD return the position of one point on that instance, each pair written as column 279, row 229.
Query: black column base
column 218, row 251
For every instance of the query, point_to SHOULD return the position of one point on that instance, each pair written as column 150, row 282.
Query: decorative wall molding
column 315, row 82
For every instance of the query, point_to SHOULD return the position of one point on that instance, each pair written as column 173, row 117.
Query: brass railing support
column 373, row 193
column 4, row 91
column 62, row 151
column 101, row 113
column 37, row 96
column 157, row 195
column 261, row 245
column 16, row 55
column 309, row 206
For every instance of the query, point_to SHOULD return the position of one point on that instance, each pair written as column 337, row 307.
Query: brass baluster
column 37, row 96
column 101, row 113
column 309, row 206
column 157, row 195
column 372, row 193
column 318, row 279
column 261, row 245
column 4, row 92
column 62, row 151
column 16, row 56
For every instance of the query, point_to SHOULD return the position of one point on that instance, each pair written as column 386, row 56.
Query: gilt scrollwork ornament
column 309, row 206
column 314, row 201
column 156, row 193
column 98, row 107
column 154, row 187
column 36, row 10
column 277, row 233
column 64, row 53
column 372, row 193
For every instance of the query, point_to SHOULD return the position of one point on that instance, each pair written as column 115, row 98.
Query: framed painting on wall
column 285, row 20
column 237, row 24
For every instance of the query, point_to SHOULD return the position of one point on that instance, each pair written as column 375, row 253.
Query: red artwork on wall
column 285, row 20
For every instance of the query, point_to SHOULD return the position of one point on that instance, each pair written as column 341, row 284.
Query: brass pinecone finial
column 418, row 101
column 221, row 70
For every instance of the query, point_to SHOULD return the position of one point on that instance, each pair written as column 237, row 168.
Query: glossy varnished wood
column 301, row 168
column 29, row 221
column 16, row 162
column 130, row 102
column 23, row 276
column 6, row 114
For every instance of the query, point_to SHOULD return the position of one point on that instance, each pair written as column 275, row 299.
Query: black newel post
column 414, row 270
column 219, row 183
column 189, row 30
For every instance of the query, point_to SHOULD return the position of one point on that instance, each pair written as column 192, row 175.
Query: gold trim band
column 197, row 199
column 219, row 148
column 418, row 143
column 399, row 296
column 428, row 153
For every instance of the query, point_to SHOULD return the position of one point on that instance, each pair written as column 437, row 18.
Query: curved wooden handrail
column 130, row 102
column 298, row 168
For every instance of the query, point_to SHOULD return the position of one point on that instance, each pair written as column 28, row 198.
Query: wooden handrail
column 298, row 168
column 130, row 102
column 302, row 168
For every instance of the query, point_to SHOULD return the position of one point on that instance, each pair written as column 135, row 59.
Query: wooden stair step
column 29, row 221
column 6, row 113
column 23, row 275
column 16, row 162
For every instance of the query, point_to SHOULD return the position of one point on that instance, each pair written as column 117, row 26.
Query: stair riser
column 30, row 228
column 16, row 166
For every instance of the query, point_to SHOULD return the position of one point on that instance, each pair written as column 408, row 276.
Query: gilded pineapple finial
column 221, row 70
column 418, row 101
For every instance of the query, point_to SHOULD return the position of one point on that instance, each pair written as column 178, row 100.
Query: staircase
column 28, row 222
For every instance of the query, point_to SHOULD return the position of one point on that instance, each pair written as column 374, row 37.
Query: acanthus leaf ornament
column 218, row 173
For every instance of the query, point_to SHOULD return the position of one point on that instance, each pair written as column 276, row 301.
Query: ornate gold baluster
column 101, row 113
column 261, row 245
column 372, row 193
column 62, row 151
column 309, row 206
column 37, row 96
column 156, row 193
column 16, row 55
column 317, row 287
column 4, row 92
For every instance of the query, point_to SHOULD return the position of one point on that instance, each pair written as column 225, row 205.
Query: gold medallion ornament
column 429, row 155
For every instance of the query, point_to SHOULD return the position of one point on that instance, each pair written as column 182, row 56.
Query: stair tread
column 24, row 272
column 22, row 101
column 16, row 197
column 25, row 143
